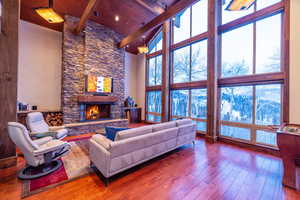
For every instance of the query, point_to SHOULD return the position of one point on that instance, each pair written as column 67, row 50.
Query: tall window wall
column 248, row 51
column 250, row 67
column 154, row 80
column 189, row 64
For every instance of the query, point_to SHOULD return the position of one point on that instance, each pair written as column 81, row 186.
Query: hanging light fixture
column 143, row 49
column 238, row 5
column 49, row 14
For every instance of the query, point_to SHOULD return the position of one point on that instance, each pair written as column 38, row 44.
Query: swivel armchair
column 39, row 128
column 42, row 155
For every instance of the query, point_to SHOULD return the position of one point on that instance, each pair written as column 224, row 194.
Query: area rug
column 76, row 164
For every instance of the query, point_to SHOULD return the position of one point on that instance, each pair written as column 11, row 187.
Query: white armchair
column 41, row 155
column 39, row 128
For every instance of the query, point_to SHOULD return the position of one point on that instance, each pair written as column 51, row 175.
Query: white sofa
column 134, row 146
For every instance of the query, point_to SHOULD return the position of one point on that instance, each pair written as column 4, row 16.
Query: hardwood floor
column 208, row 171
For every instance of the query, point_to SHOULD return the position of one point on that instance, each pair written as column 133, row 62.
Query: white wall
column 295, row 62
column 131, row 75
column 141, row 71
column 40, row 57
column 135, row 79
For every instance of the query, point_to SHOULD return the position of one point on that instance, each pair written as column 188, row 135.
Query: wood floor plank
column 208, row 171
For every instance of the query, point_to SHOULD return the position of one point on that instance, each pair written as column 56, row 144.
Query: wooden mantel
column 97, row 99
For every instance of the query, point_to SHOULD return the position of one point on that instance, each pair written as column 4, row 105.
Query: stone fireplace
column 93, row 52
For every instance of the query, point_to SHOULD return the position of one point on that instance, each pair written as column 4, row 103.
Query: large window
column 154, row 79
column 252, row 49
column 153, row 109
column 190, row 104
column 249, row 66
column 255, row 48
column 190, row 63
column 228, row 16
column 156, row 44
column 190, row 22
column 154, row 70
column 249, row 109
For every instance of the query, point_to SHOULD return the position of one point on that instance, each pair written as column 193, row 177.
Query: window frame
column 253, row 79
column 245, row 80
column 252, row 126
column 189, row 114
column 146, row 107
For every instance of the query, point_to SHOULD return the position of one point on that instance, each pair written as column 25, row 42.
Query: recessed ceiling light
column 117, row 18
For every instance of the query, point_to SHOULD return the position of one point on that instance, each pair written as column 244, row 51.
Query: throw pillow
column 112, row 131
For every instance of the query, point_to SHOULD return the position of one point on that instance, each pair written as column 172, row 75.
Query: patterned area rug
column 76, row 164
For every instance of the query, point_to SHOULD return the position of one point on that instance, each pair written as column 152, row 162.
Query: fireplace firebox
column 94, row 108
column 93, row 112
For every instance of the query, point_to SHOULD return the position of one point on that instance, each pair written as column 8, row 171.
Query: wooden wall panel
column 8, row 77
column 212, row 84
column 166, row 72
column 286, row 62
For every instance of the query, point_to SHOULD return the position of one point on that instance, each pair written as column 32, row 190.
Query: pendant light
column 49, row 14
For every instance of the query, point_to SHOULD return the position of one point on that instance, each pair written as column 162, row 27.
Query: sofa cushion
column 103, row 141
column 122, row 147
column 162, row 126
column 182, row 122
column 133, row 132
column 111, row 132
column 187, row 129
column 161, row 136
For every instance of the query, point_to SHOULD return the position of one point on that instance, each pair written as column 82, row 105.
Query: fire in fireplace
column 92, row 112
column 95, row 112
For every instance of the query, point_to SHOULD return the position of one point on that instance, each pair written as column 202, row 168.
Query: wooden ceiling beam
column 85, row 16
column 173, row 10
column 157, row 10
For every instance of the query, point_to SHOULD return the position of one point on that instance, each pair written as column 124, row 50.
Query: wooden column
column 285, row 67
column 212, row 86
column 165, row 71
column 8, row 77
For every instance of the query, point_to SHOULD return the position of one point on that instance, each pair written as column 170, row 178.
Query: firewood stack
column 54, row 118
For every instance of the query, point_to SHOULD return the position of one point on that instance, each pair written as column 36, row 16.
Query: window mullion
column 253, row 131
column 254, row 48
column 189, row 103
column 191, row 27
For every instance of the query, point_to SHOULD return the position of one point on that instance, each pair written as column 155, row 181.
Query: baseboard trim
column 211, row 139
column 253, row 147
column 8, row 162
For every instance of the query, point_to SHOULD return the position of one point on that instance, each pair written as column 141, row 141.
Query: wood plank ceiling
column 132, row 14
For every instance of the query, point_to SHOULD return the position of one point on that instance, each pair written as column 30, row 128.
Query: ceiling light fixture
column 238, row 5
column 117, row 18
column 143, row 49
column 49, row 14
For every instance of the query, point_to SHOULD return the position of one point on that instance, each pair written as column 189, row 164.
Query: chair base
column 31, row 172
